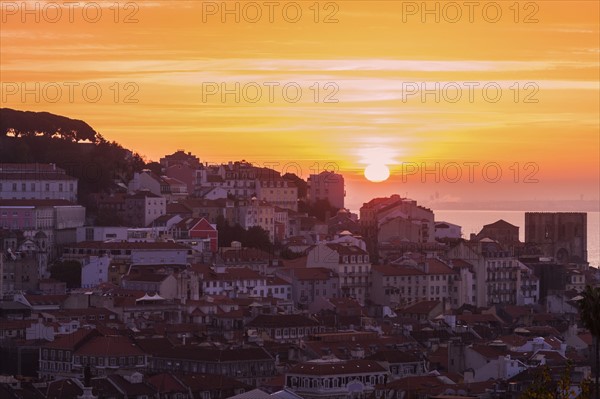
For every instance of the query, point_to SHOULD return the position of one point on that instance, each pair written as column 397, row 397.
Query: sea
column 473, row 221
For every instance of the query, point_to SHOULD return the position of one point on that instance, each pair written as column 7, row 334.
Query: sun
column 377, row 172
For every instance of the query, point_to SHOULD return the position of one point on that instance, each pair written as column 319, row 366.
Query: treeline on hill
column 42, row 137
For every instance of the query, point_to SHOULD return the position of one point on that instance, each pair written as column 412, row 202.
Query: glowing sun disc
column 377, row 173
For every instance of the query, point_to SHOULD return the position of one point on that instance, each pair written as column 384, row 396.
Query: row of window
column 34, row 187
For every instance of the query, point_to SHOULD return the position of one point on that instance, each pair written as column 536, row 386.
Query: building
column 428, row 280
column 279, row 192
column 284, row 327
column 198, row 229
column 349, row 262
column 251, row 365
column 94, row 270
column 256, row 213
column 336, row 379
column 560, row 235
column 500, row 231
column 310, row 283
column 327, row 186
column 142, row 208
column 36, row 182
column 149, row 253
column 446, row 230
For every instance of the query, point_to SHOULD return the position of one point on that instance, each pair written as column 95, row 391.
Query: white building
column 94, row 271
column 335, row 378
column 36, row 181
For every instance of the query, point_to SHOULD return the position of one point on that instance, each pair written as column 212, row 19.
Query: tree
column 28, row 123
column 68, row 271
column 589, row 311
column 543, row 386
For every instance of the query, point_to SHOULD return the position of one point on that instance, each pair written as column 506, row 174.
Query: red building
column 197, row 228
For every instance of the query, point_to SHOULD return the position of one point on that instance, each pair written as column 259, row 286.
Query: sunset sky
column 369, row 56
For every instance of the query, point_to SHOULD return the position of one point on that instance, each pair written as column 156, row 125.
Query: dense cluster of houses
column 386, row 304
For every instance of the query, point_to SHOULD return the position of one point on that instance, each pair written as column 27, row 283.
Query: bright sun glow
column 377, row 172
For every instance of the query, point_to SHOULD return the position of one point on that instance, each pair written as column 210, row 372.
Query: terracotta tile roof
column 115, row 345
column 165, row 383
column 213, row 355
column 208, row 382
column 423, row 307
column 36, row 202
column 397, row 270
column 127, row 245
column 310, row 273
column 73, row 340
column 338, row 367
column 63, row 389
column 395, row 356
column 436, row 266
column 132, row 389
column 347, row 249
column 287, row 320
column 38, row 300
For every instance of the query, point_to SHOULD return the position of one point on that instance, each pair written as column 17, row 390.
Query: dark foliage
column 68, row 271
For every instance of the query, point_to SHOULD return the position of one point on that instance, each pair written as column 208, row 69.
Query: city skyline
column 361, row 100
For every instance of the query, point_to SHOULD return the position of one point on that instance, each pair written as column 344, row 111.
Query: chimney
column 472, row 237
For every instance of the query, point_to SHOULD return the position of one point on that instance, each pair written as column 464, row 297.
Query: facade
column 257, row 213
column 428, row 280
column 149, row 253
column 336, row 379
column 196, row 228
column 349, row 262
column 143, row 207
column 329, row 186
column 284, row 328
column 510, row 282
column 94, row 271
column 308, row 284
column 279, row 192
column 251, row 365
column 561, row 235
column 36, row 181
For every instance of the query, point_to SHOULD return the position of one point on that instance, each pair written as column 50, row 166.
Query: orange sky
column 372, row 54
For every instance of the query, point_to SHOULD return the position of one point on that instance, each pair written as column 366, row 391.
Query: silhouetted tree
column 68, row 271
column 589, row 310
column 28, row 123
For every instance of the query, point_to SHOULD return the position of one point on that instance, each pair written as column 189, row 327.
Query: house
column 327, row 186
column 36, row 181
column 308, row 284
column 283, row 328
column 162, row 284
column 197, row 229
column 335, row 378
column 349, row 262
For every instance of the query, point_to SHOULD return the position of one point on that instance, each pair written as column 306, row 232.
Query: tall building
column 561, row 235
column 36, row 181
column 329, row 186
